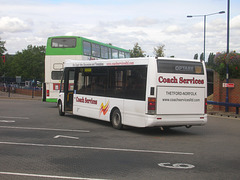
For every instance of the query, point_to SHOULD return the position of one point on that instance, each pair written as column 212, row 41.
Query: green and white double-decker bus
column 61, row 48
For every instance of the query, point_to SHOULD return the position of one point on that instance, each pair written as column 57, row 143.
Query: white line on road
column 46, row 176
column 61, row 136
column 45, row 129
column 177, row 165
column 7, row 121
column 97, row 148
column 9, row 117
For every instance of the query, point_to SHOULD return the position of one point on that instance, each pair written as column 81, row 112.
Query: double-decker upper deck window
column 114, row 53
column 87, row 50
column 63, row 42
column 104, row 52
column 180, row 67
column 109, row 53
column 121, row 54
column 127, row 55
column 95, row 50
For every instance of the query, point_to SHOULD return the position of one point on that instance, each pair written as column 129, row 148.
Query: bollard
column 32, row 92
column 8, row 89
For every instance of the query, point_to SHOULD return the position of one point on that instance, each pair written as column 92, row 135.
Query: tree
column 201, row 57
column 232, row 59
column 159, row 51
column 210, row 62
column 195, row 56
column 29, row 63
column 136, row 51
column 2, row 48
column 2, row 51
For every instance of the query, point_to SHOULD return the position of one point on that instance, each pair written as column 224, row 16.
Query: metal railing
column 226, row 105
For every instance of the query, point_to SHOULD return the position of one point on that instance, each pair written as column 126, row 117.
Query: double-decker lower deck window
column 56, row 75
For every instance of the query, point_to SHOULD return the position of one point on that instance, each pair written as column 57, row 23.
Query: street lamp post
column 204, row 32
column 227, row 69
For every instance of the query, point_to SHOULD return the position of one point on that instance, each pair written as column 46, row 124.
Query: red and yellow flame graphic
column 104, row 108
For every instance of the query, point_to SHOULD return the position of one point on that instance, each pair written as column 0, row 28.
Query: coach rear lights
column 151, row 105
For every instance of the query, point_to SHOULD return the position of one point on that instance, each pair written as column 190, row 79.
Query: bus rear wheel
column 60, row 111
column 116, row 119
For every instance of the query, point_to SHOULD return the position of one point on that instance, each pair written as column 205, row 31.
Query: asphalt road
column 36, row 143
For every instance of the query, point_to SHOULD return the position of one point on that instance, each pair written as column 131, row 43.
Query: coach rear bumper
column 176, row 120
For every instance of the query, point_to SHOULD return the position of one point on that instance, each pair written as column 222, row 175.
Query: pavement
column 5, row 95
column 224, row 114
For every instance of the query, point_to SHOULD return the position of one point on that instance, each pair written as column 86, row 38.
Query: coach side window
column 80, row 80
column 62, row 83
column 136, row 83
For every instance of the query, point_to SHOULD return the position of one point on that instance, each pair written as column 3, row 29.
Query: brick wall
column 219, row 93
column 28, row 92
column 23, row 91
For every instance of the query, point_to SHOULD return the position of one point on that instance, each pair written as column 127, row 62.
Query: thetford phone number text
column 180, row 80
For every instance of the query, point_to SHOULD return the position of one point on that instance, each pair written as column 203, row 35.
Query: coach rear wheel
column 116, row 119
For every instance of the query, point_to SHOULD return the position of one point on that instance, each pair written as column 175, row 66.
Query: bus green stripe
column 51, row 100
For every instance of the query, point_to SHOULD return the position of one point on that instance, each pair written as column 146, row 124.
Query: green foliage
column 2, row 48
column 201, row 57
column 210, row 62
column 221, row 60
column 136, row 51
column 195, row 56
column 159, row 51
column 29, row 63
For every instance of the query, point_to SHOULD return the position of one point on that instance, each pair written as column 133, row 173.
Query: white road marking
column 62, row 136
column 7, row 121
column 97, row 148
column 46, row 176
column 176, row 165
column 9, row 117
column 45, row 129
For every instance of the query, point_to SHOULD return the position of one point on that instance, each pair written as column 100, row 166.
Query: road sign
column 230, row 85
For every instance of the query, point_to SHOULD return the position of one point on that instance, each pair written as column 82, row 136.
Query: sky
column 123, row 23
